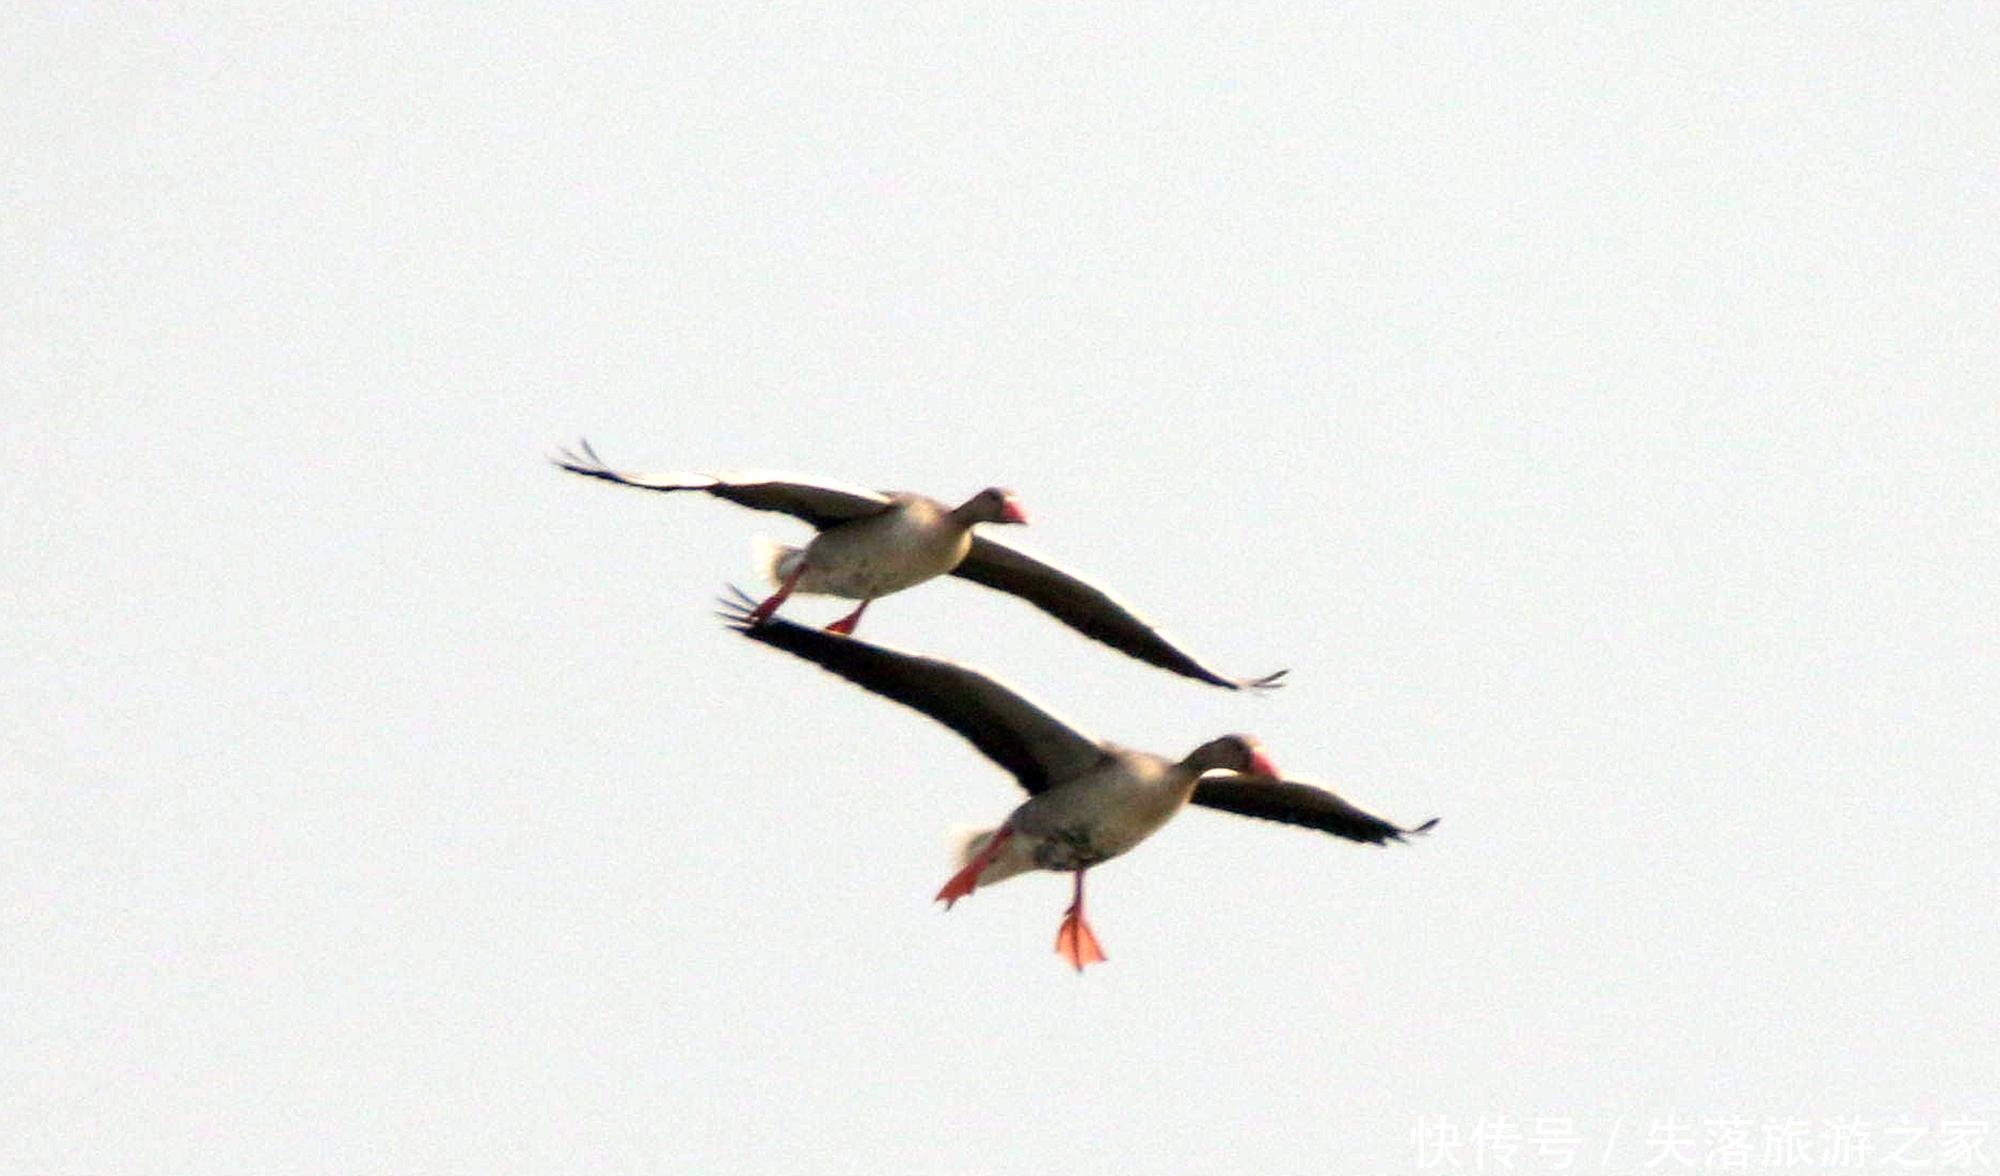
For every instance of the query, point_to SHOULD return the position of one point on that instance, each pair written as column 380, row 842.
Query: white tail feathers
column 775, row 561
column 968, row 842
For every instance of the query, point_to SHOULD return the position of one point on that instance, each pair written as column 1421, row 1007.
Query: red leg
column 763, row 612
column 967, row 880
column 845, row 625
column 1076, row 942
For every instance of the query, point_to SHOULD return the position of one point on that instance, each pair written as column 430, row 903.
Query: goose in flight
column 1088, row 801
column 871, row 544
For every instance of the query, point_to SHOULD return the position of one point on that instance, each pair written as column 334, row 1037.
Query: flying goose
column 1088, row 801
column 872, row 544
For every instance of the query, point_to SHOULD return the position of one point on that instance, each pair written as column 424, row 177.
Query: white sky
column 1596, row 411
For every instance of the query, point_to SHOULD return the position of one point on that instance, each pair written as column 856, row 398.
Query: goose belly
column 878, row 556
column 1078, row 827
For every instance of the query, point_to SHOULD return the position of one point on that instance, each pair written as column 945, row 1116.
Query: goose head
column 991, row 505
column 1232, row 753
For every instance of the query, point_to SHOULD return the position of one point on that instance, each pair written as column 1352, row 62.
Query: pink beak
column 1011, row 512
column 1261, row 765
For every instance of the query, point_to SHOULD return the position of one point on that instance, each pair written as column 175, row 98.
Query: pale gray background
column 1596, row 411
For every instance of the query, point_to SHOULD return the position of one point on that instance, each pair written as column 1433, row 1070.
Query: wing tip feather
column 1415, row 830
column 586, row 463
column 737, row 609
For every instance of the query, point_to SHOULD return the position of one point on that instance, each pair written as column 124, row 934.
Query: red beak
column 1261, row 765
column 1011, row 512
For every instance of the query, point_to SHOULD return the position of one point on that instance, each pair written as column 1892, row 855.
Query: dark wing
column 821, row 504
column 1298, row 804
column 1090, row 611
column 1038, row 748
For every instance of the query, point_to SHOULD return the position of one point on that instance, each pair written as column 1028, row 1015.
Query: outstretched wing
column 1089, row 610
column 820, row 504
column 1298, row 804
column 1038, row 748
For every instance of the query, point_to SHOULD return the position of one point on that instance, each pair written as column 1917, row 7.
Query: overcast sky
column 1594, row 409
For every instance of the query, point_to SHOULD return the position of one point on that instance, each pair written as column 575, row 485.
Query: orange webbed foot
column 962, row 883
column 763, row 612
column 1077, row 943
column 845, row 625
column 967, row 880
